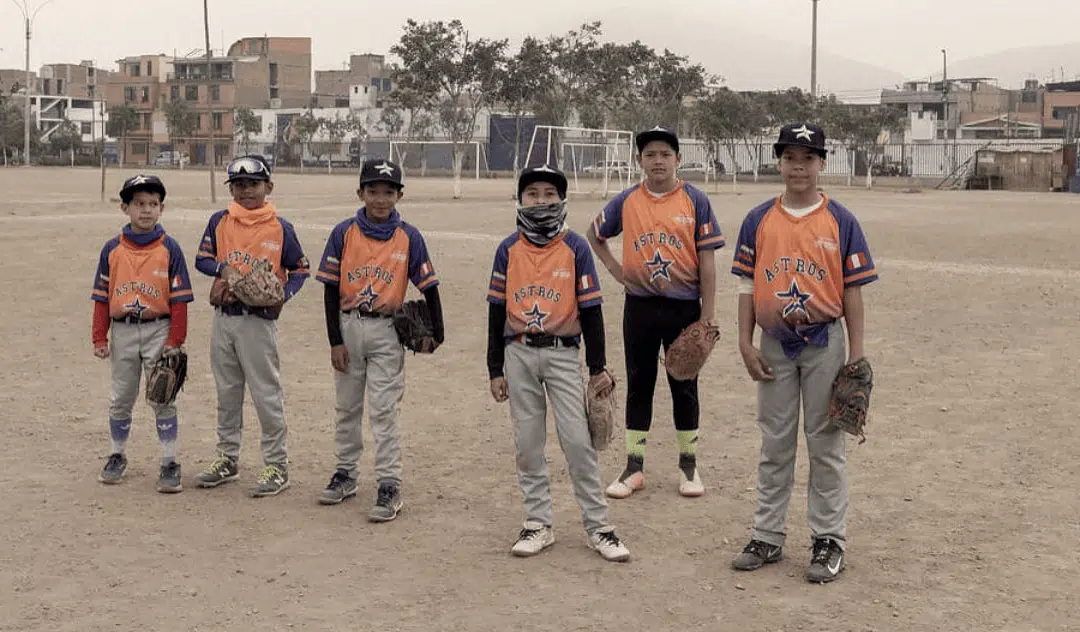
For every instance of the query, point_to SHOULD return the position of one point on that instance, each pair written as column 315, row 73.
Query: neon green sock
column 687, row 441
column 635, row 443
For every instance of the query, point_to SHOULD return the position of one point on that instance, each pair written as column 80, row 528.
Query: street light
column 813, row 54
column 28, row 16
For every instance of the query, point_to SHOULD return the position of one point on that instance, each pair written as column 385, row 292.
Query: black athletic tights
column 649, row 323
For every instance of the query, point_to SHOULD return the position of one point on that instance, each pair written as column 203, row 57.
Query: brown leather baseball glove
column 600, row 409
column 687, row 354
column 850, row 400
column 260, row 287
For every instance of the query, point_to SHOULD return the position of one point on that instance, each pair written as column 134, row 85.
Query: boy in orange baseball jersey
column 243, row 341
column 544, row 298
column 366, row 267
column 668, row 267
column 141, row 292
column 803, row 260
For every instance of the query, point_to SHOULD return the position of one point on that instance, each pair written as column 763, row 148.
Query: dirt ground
column 964, row 510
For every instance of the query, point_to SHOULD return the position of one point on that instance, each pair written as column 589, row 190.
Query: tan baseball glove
column 260, row 287
column 849, row 402
column 600, row 409
column 687, row 354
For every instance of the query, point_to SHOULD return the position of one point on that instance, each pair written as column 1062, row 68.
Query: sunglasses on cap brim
column 248, row 167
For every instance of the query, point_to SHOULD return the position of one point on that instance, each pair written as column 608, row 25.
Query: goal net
column 596, row 161
column 419, row 157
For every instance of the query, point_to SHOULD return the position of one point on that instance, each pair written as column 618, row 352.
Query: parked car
column 693, row 167
column 171, row 159
column 613, row 167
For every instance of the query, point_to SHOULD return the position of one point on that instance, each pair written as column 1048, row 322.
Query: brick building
column 334, row 88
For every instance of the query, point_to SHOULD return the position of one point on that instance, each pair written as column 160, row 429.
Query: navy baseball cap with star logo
column 543, row 173
column 381, row 170
column 801, row 135
column 659, row 132
column 134, row 184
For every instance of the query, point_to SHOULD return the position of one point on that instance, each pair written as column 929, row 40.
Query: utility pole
column 209, row 103
column 813, row 54
column 28, row 18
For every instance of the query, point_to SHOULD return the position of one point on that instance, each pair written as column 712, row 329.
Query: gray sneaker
column 114, row 469
column 757, row 554
column 222, row 470
column 826, row 562
column 341, row 487
column 388, row 504
column 273, row 480
column 169, row 479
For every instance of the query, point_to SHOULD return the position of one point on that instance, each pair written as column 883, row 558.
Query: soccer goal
column 596, row 161
column 438, row 155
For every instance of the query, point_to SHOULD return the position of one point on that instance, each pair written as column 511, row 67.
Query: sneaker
column 532, row 539
column 626, row 485
column 608, row 545
column 757, row 554
column 114, row 469
column 341, row 487
column 169, row 479
column 272, row 481
column 388, row 504
column 826, row 562
column 692, row 487
column 222, row 470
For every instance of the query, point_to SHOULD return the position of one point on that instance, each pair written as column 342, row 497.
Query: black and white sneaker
column 826, row 562
column 114, row 469
column 388, row 504
column 169, row 479
column 341, row 486
column 757, row 554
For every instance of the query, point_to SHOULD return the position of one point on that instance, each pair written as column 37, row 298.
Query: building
column 945, row 104
column 139, row 83
column 81, row 81
column 333, row 88
column 1060, row 106
column 257, row 73
column 12, row 80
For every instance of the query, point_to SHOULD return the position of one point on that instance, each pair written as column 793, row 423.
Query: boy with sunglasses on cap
column 366, row 267
column 141, row 292
column 544, row 297
column 243, row 342
column 670, row 237
column 802, row 259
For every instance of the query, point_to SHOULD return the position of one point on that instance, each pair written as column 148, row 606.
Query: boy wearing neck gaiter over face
column 544, row 297
column 243, row 342
column 366, row 267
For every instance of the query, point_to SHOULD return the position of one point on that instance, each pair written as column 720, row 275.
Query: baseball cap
column 381, row 170
column 659, row 132
column 543, row 173
column 251, row 167
column 801, row 135
column 141, row 182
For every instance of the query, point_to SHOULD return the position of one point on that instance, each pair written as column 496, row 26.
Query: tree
column 723, row 117
column 861, row 128
column 357, row 128
column 11, row 130
column 523, row 78
column 403, row 106
column 123, row 119
column 66, row 137
column 423, row 129
column 642, row 88
column 182, row 123
column 245, row 124
column 335, row 130
column 571, row 86
column 441, row 58
column 305, row 127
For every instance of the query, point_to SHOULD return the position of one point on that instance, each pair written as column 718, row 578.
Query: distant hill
column 1012, row 67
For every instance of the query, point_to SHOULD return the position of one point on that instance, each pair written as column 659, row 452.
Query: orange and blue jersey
column 238, row 238
column 141, row 275
column 662, row 236
column 544, row 287
column 801, row 266
column 373, row 268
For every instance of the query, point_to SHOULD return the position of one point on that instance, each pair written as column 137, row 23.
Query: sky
column 902, row 35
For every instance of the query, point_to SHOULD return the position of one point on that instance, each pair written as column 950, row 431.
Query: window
column 135, row 70
column 149, row 69
column 85, row 129
column 46, row 84
column 191, row 93
column 129, row 94
column 145, row 94
column 138, row 149
column 217, row 121
column 146, row 121
column 215, row 93
column 273, row 74
column 174, row 93
column 59, row 86
column 274, row 93
column 1060, row 113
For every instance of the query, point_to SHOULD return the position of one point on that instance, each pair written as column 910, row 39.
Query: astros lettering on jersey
column 661, row 239
column 140, row 274
column 801, row 266
column 373, row 274
column 544, row 287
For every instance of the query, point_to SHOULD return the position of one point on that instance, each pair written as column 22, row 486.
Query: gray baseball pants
column 134, row 349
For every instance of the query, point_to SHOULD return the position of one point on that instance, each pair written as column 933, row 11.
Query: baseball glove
column 600, row 413
column 412, row 321
column 850, row 400
column 688, row 353
column 167, row 377
column 260, row 287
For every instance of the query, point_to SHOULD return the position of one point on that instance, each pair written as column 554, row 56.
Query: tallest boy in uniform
column 668, row 267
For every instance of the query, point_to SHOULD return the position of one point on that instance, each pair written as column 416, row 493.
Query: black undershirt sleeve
column 496, row 350
column 332, row 305
column 592, row 330
column 431, row 295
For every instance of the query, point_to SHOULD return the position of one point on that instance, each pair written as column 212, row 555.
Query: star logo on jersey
column 367, row 299
column 804, row 132
column 658, row 267
column 385, row 169
column 534, row 318
column 136, row 307
column 798, row 299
